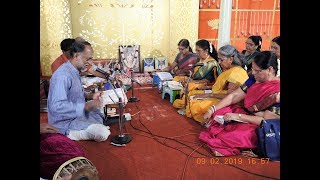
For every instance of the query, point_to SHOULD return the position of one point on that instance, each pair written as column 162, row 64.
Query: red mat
column 148, row 155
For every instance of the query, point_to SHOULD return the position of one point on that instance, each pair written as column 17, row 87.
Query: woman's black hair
column 185, row 43
column 205, row 45
column 276, row 40
column 257, row 40
column 265, row 59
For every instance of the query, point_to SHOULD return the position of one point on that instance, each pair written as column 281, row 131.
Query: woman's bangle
column 214, row 108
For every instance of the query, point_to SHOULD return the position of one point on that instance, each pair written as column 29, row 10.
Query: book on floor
column 219, row 119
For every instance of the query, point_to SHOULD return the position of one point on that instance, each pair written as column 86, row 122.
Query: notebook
column 219, row 119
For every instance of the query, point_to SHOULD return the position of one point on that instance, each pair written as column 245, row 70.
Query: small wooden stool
column 172, row 93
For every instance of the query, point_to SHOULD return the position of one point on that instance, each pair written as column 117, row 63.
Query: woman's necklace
column 248, row 56
column 205, row 58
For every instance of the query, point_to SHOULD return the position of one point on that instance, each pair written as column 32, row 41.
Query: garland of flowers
column 135, row 55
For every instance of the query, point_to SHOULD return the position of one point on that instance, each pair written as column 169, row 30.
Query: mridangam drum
column 76, row 168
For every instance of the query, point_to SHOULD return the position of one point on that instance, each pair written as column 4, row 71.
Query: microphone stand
column 182, row 111
column 121, row 139
column 133, row 98
column 131, row 78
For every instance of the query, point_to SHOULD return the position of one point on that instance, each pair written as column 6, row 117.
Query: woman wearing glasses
column 184, row 60
column 253, row 46
column 261, row 101
column 205, row 71
column 275, row 47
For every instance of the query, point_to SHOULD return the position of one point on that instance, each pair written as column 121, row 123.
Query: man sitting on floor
column 68, row 109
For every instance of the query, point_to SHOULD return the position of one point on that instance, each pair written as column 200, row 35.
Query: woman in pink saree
column 261, row 101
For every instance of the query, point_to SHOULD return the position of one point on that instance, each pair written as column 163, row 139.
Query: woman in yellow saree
column 206, row 70
column 231, row 78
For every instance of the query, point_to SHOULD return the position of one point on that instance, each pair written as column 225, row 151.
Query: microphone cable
column 155, row 136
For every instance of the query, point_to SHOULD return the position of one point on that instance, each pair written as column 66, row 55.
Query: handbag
column 269, row 139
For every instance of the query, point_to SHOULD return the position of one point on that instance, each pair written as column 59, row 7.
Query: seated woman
column 206, row 70
column 184, row 61
column 275, row 47
column 253, row 46
column 62, row 158
column 230, row 79
column 261, row 94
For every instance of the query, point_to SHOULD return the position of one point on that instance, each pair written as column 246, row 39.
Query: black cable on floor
column 194, row 150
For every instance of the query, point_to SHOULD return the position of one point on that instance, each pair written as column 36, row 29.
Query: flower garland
column 134, row 55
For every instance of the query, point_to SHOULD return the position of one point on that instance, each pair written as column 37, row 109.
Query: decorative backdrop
column 55, row 25
column 249, row 17
column 155, row 25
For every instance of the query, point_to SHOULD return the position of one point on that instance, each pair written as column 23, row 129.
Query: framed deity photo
column 161, row 62
column 129, row 57
column 148, row 64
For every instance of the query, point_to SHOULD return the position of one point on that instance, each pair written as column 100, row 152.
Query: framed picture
column 161, row 62
column 129, row 57
column 148, row 64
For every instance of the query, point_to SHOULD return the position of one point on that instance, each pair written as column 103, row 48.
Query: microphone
column 95, row 68
column 114, row 72
column 107, row 75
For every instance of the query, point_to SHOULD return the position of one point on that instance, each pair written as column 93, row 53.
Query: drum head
column 76, row 167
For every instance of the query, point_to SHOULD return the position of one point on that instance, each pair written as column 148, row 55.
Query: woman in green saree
column 206, row 70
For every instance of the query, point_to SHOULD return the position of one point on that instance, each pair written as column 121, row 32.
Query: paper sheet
column 106, row 95
column 88, row 81
column 219, row 119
